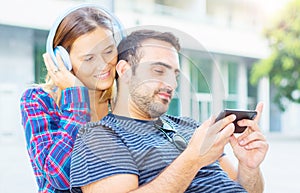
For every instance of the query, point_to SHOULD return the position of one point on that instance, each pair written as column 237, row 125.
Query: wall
column 17, row 71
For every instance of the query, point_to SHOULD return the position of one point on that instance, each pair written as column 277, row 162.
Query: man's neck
column 127, row 108
column 125, row 111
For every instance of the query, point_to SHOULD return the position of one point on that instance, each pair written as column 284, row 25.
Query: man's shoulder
column 182, row 120
column 106, row 126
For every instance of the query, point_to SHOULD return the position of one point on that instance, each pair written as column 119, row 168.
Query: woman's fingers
column 50, row 66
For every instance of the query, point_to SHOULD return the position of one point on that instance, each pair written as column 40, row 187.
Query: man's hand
column 210, row 138
column 61, row 77
column 250, row 147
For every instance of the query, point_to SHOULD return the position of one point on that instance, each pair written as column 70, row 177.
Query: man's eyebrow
column 165, row 65
column 161, row 64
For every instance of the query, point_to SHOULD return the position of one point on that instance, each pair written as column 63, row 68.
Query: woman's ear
column 123, row 69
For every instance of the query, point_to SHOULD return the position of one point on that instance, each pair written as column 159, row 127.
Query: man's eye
column 158, row 71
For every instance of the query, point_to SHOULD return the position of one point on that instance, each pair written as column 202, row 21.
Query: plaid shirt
column 50, row 133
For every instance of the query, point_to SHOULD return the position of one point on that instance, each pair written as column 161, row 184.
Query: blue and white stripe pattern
column 120, row 145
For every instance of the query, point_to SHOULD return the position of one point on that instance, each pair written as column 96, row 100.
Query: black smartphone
column 240, row 114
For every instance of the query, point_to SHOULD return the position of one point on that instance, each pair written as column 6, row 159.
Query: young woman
column 52, row 113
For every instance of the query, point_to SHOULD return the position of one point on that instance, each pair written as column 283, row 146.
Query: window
column 39, row 49
column 232, row 77
column 200, row 70
column 174, row 108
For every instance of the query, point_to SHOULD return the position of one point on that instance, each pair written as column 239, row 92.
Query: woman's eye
column 88, row 58
column 108, row 52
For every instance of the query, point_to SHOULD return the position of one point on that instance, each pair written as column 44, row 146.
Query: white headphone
column 117, row 29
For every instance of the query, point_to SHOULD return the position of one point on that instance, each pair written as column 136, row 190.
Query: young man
column 140, row 149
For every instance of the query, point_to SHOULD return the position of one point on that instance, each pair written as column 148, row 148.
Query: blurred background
column 235, row 53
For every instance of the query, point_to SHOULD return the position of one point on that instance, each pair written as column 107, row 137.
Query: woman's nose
column 101, row 63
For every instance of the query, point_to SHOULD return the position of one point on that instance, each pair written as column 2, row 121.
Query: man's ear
column 123, row 68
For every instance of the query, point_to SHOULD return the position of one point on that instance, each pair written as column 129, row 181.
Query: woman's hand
column 60, row 75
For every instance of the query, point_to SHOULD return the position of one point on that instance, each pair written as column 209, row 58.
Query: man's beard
column 145, row 99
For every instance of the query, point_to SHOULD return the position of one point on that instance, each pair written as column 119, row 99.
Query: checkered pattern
column 50, row 133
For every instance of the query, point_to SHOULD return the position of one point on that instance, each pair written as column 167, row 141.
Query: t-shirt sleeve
column 99, row 153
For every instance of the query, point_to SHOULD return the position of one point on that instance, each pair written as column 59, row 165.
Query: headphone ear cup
column 64, row 56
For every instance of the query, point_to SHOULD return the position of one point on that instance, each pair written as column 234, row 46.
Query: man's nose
column 171, row 81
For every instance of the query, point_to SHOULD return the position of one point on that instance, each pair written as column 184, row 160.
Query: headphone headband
column 116, row 25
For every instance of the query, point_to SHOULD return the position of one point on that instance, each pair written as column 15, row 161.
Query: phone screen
column 240, row 114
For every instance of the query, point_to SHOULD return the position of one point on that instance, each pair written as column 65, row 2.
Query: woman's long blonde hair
column 79, row 22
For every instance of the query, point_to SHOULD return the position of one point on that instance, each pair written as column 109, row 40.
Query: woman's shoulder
column 33, row 92
column 36, row 95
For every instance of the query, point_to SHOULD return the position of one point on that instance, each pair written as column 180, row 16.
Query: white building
column 221, row 41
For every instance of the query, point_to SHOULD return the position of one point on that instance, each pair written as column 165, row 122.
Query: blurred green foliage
column 283, row 64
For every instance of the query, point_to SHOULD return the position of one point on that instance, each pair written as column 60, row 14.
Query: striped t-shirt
column 121, row 145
